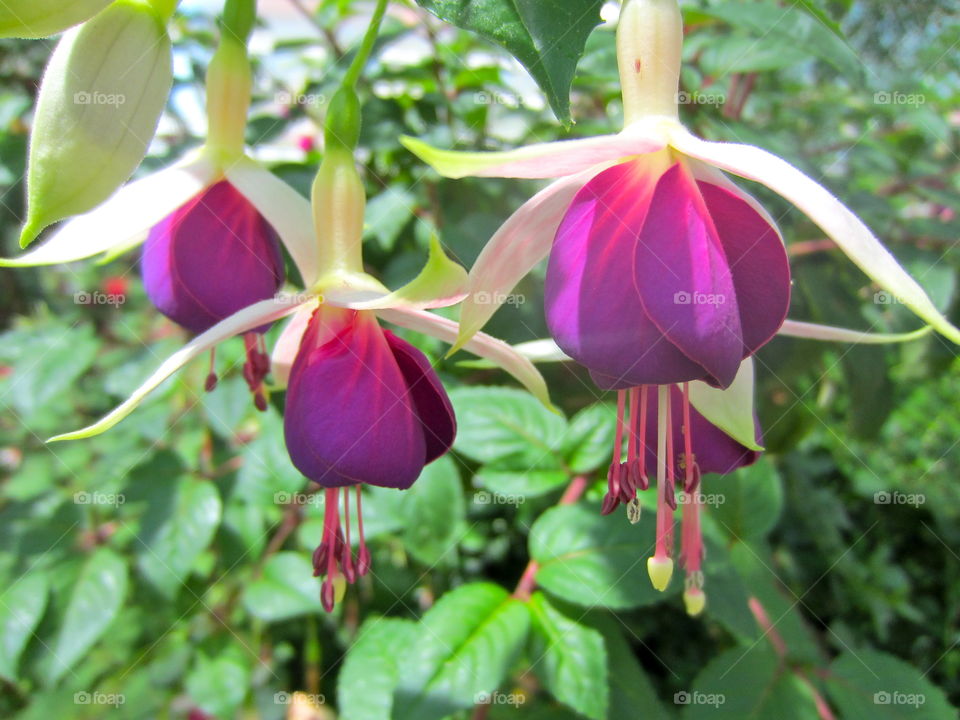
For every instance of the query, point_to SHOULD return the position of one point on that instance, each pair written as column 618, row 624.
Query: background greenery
column 162, row 570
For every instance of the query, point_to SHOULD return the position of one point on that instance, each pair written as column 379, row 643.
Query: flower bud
column 41, row 18
column 100, row 100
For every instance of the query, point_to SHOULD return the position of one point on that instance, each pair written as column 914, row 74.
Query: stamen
column 691, row 472
column 363, row 557
column 691, row 552
column 644, row 482
column 346, row 558
column 660, row 566
column 612, row 498
column 256, row 368
column 211, row 382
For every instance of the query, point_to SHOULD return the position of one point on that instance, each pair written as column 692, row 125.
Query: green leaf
column 588, row 443
column 465, row 645
column 496, row 423
column 546, row 36
column 746, row 504
column 218, row 684
column 176, row 532
column 371, row 671
column 21, row 607
column 592, row 560
column 869, row 685
column 570, row 659
column 388, row 214
column 267, row 477
column 795, row 28
column 747, row 683
column 286, row 589
column 94, row 602
column 518, row 485
column 434, row 509
column 630, row 688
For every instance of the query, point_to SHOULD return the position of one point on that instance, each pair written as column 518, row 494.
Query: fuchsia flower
column 362, row 405
column 211, row 223
column 210, row 258
column 662, row 271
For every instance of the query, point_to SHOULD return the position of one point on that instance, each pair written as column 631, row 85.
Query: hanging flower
column 212, row 222
column 655, row 155
column 362, row 405
column 662, row 272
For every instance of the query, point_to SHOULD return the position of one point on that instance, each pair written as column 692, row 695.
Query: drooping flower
column 211, row 222
column 362, row 405
column 661, row 270
column 654, row 153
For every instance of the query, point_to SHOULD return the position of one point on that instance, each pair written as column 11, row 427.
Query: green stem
column 239, row 17
column 363, row 53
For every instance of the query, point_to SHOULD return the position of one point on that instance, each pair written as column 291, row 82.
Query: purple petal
column 714, row 450
column 684, row 279
column 349, row 417
column 758, row 260
column 593, row 310
column 429, row 397
column 213, row 256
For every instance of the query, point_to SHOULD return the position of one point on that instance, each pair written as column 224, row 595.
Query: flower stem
column 366, row 46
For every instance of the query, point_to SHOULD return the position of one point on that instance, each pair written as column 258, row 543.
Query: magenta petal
column 429, row 397
column 758, row 260
column 211, row 257
column 684, row 279
column 593, row 311
column 349, row 417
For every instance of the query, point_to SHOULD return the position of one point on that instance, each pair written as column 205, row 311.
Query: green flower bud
column 41, row 18
column 100, row 100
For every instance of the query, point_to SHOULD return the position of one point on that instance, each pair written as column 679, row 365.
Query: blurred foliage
column 163, row 569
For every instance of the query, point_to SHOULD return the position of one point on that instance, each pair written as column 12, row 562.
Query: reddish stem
column 528, row 581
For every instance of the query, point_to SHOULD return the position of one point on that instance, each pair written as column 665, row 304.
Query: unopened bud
column 99, row 103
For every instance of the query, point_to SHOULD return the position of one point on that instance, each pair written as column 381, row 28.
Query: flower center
column 334, row 554
column 673, row 465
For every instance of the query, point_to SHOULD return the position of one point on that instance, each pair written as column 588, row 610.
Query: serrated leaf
column 591, row 560
column 464, row 647
column 94, row 602
column 747, row 684
column 747, row 504
column 546, row 36
column 869, row 685
column 589, row 440
column 570, row 658
column 21, row 607
column 174, row 534
column 496, row 423
column 286, row 589
column 371, row 671
column 434, row 510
